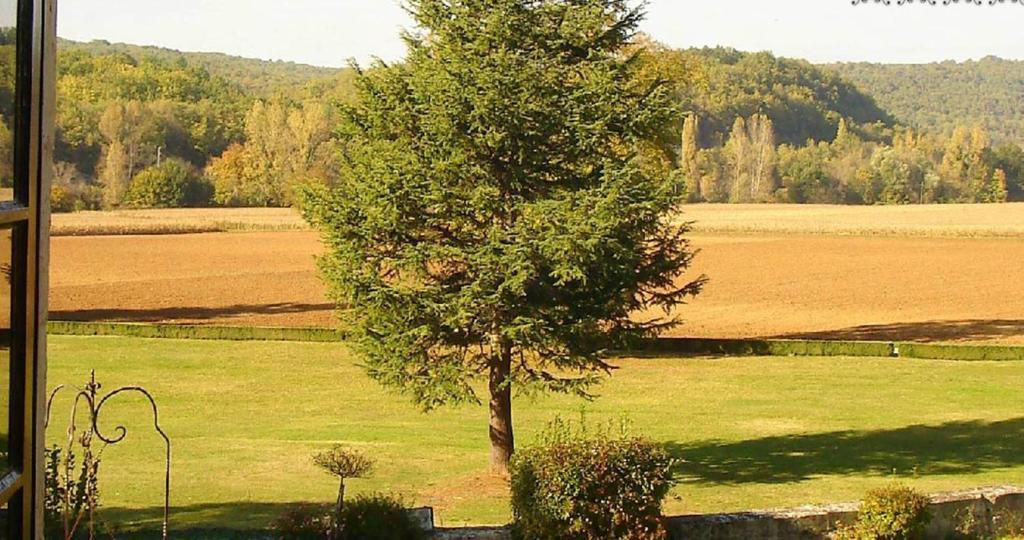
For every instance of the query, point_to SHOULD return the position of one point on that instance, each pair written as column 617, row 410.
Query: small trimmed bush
column 895, row 512
column 343, row 463
column 589, row 486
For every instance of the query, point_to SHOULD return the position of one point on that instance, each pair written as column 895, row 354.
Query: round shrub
column 590, row 487
column 895, row 512
column 171, row 184
column 61, row 199
column 366, row 517
column 377, row 517
column 343, row 462
column 303, row 522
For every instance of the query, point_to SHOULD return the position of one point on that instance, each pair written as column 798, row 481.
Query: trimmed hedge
column 655, row 347
column 931, row 351
column 768, row 347
column 182, row 331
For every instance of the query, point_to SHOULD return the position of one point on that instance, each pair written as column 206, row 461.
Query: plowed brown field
column 849, row 287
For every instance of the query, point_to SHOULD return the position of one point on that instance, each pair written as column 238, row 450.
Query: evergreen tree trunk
column 502, row 442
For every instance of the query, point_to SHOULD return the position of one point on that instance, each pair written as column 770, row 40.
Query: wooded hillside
column 937, row 97
column 257, row 77
column 803, row 101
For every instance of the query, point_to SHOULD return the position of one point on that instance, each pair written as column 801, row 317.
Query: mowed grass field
column 751, row 433
column 927, row 273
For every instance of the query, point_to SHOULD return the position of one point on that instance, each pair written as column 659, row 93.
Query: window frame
column 28, row 216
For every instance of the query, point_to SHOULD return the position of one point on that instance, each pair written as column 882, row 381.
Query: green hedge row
column 181, row 331
column 785, row 347
column 656, row 347
column 767, row 347
column 931, row 351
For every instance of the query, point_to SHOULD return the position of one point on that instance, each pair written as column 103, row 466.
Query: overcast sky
column 327, row 32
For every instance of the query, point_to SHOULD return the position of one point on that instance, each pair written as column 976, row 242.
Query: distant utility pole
column 159, row 153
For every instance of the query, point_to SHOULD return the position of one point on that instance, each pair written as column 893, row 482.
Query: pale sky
column 328, row 32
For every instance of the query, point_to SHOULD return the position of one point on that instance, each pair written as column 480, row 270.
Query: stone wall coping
column 825, row 513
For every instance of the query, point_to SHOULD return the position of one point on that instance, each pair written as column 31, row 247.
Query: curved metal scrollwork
column 90, row 395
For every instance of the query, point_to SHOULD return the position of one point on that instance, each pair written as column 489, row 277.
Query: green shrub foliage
column 589, row 487
column 366, row 517
column 895, row 512
column 302, row 522
column 171, row 184
column 377, row 517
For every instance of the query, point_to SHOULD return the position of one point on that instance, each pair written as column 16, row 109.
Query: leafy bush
column 72, row 191
column 579, row 485
column 72, row 488
column 366, row 517
column 171, row 184
column 1008, row 525
column 302, row 522
column 377, row 517
column 61, row 199
column 895, row 512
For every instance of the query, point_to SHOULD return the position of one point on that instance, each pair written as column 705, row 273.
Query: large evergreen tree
column 497, row 216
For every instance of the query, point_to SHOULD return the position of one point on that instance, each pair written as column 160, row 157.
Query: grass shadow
column 966, row 447
column 214, row 521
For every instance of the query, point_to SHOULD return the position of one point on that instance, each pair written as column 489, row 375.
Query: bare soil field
column 865, row 288
column 773, row 284
column 259, row 278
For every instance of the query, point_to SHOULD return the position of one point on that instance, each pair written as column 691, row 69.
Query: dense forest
column 803, row 102
column 151, row 127
column 257, row 77
column 143, row 126
column 939, row 96
column 803, row 134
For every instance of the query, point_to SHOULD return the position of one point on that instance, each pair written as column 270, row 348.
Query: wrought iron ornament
column 91, row 397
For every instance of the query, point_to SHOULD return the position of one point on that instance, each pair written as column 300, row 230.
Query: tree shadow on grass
column 929, row 331
column 966, row 447
column 214, row 521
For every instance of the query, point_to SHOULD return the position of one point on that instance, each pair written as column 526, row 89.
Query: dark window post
column 27, row 58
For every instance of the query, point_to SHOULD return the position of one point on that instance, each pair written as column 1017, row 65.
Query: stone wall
column 983, row 511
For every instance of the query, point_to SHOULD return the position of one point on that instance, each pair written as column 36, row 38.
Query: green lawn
column 754, row 432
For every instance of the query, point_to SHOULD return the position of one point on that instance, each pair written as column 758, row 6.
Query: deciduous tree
column 688, row 158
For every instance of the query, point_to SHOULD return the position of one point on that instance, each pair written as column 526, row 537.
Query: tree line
column 912, row 168
column 162, row 132
column 757, row 128
column 150, row 127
